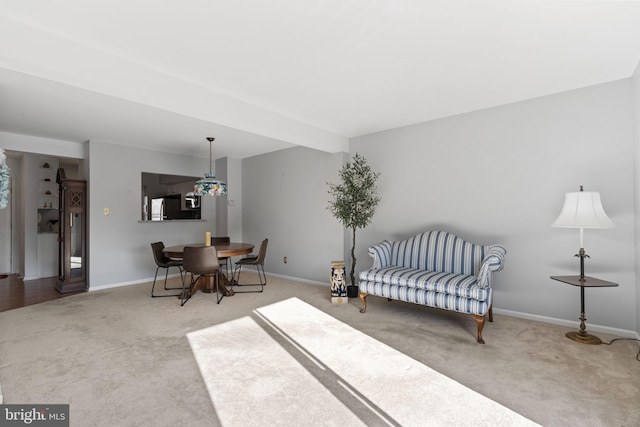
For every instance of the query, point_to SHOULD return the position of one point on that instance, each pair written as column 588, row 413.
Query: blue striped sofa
column 436, row 269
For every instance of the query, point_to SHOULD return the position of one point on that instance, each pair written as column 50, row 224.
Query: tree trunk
column 353, row 258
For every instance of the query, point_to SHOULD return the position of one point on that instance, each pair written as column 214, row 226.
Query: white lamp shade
column 583, row 209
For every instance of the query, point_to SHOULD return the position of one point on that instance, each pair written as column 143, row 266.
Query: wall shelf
column 47, row 217
column 47, row 186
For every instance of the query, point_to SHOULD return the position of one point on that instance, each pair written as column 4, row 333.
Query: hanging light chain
column 210, row 139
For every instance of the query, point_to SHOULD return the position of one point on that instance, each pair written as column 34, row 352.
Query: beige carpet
column 121, row 358
column 396, row 389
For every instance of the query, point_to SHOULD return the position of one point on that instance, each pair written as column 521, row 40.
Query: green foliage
column 355, row 199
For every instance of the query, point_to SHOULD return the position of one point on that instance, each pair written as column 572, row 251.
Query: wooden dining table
column 205, row 283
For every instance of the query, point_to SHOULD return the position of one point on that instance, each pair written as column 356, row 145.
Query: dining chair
column 224, row 261
column 201, row 261
column 253, row 260
column 163, row 261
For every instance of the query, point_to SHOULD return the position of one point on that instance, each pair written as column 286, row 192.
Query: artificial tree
column 354, row 202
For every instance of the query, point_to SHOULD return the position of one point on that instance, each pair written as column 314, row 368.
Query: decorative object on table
column 4, row 180
column 354, row 203
column 207, row 238
column 209, row 185
column 582, row 209
column 338, row 283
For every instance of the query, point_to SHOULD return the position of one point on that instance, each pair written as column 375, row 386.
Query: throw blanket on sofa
column 436, row 269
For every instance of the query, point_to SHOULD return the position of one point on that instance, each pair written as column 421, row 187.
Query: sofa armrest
column 381, row 254
column 493, row 261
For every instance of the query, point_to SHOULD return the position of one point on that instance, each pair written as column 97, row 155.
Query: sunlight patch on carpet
column 253, row 381
column 251, row 378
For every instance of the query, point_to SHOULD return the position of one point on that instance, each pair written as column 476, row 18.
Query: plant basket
column 352, row 291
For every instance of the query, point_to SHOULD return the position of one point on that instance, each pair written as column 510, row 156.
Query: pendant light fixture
column 209, row 185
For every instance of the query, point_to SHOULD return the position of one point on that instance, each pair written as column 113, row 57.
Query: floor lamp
column 582, row 209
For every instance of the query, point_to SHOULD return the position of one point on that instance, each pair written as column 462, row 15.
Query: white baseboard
column 574, row 324
column 528, row 316
column 133, row 282
column 150, row 279
column 296, row 279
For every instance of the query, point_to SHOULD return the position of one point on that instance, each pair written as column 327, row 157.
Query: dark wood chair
column 201, row 261
column 163, row 261
column 224, row 261
column 256, row 261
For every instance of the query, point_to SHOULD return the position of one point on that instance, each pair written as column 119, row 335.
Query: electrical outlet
column 284, row 260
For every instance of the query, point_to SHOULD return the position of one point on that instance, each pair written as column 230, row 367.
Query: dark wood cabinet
column 72, row 234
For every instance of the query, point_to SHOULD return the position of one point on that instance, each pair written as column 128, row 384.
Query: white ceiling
column 265, row 75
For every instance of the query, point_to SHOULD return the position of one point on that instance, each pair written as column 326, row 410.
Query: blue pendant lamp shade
column 209, row 185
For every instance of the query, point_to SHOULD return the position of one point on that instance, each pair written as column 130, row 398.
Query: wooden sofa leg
column 480, row 320
column 363, row 297
column 491, row 313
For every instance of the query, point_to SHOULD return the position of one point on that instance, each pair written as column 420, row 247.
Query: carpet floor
column 119, row 357
column 362, row 380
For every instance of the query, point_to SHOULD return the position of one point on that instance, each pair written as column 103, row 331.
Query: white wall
column 636, row 121
column 499, row 176
column 285, row 199
column 119, row 244
column 228, row 213
column 29, row 230
column 233, row 209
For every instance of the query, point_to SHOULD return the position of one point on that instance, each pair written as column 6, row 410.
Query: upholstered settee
column 436, row 269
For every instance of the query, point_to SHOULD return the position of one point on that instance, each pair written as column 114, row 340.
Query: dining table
column 205, row 283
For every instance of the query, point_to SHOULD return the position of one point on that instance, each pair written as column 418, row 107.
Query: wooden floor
column 14, row 293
